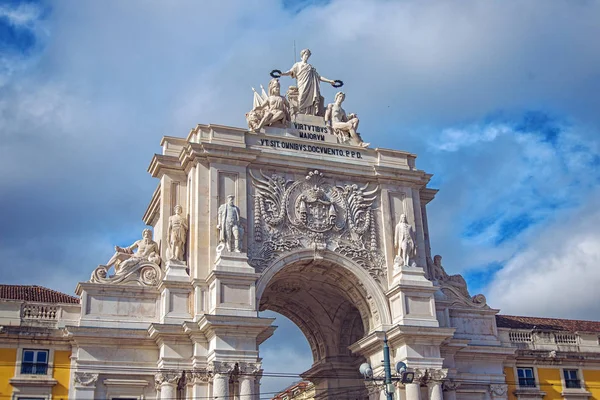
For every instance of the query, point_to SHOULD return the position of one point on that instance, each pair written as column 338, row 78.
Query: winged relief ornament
column 312, row 213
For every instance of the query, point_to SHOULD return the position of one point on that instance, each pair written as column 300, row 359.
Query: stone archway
column 334, row 303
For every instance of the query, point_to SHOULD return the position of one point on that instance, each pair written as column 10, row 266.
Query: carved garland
column 312, row 213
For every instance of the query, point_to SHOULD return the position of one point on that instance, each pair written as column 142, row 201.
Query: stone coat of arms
column 312, row 213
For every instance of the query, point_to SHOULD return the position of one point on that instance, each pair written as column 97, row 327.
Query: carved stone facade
column 298, row 216
column 315, row 213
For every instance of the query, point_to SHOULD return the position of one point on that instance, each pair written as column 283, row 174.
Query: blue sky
column 499, row 100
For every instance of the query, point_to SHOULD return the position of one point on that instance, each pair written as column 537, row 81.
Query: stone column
column 198, row 380
column 413, row 391
column 435, row 390
column 221, row 386
column 434, row 383
column 248, row 371
column 499, row 391
column 221, row 372
column 246, row 387
column 166, row 382
column 450, row 387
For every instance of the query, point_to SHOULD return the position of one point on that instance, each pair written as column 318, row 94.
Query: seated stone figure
column 274, row 109
column 439, row 274
column 125, row 257
column 343, row 125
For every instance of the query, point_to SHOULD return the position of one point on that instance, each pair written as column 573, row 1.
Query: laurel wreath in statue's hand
column 275, row 73
column 337, row 83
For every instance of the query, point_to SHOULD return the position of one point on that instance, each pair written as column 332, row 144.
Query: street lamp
column 403, row 375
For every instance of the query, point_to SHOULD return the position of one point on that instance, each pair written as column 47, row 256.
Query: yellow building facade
column 35, row 356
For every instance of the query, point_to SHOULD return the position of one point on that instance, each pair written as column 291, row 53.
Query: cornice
column 161, row 164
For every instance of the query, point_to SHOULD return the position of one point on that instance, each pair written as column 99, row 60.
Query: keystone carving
column 499, row 389
column 85, row 379
column 313, row 213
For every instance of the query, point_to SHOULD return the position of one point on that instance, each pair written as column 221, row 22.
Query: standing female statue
column 308, row 80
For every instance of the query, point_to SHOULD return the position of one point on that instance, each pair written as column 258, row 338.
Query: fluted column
column 413, row 391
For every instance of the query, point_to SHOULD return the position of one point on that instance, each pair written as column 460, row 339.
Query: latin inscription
column 309, row 148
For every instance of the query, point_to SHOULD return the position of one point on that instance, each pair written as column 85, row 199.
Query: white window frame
column 536, row 381
column 573, row 391
column 49, row 372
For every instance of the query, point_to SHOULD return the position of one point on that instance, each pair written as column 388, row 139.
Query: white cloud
column 557, row 274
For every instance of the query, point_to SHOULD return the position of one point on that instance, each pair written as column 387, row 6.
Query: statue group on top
column 273, row 109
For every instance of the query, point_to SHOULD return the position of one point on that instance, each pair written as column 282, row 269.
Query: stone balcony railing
column 40, row 314
column 544, row 340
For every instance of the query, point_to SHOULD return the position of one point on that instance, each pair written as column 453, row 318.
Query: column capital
column 221, row 367
column 250, row 368
column 199, row 375
column 437, row 375
column 168, row 377
column 450, row 385
column 85, row 379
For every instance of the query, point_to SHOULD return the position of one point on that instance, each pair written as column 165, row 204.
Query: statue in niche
column 269, row 110
column 404, row 240
column 177, row 234
column 438, row 273
column 308, row 83
column 343, row 125
column 229, row 225
column 125, row 258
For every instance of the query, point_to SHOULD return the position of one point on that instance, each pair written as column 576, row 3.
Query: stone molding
column 250, row 368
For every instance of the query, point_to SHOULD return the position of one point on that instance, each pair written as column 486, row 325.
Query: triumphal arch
column 297, row 214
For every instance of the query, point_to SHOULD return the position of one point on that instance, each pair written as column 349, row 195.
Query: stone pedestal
column 175, row 294
column 411, row 297
column 232, row 286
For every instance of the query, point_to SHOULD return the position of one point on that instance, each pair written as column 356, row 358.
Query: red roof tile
column 551, row 324
column 35, row 293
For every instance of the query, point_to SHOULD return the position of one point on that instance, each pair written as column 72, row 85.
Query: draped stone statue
column 405, row 241
column 343, row 125
column 269, row 110
column 308, row 80
column 229, row 225
column 177, row 234
column 125, row 257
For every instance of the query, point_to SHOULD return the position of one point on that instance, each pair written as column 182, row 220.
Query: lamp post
column 402, row 376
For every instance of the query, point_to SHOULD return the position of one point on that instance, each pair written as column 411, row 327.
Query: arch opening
column 332, row 308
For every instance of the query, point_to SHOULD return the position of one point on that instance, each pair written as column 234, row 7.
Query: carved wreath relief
column 312, row 213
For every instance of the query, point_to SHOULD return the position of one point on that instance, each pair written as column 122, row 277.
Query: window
column 35, row 362
column 526, row 377
column 572, row 379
